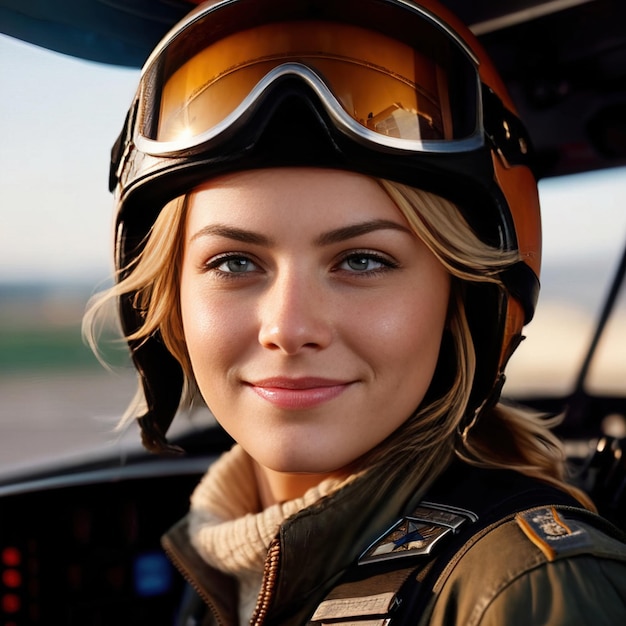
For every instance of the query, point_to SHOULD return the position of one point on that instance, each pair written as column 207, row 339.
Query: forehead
column 302, row 196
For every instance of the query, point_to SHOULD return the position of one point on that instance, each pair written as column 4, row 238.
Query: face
column 312, row 314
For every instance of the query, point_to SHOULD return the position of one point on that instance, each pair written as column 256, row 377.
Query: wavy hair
column 503, row 437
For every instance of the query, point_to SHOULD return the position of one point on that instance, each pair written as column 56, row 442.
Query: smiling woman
column 323, row 321
column 342, row 279
column 339, row 264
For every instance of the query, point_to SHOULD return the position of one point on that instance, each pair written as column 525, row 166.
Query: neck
column 277, row 487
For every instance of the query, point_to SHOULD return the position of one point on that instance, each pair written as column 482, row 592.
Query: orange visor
column 415, row 92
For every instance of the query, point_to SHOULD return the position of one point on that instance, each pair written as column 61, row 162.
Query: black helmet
column 395, row 89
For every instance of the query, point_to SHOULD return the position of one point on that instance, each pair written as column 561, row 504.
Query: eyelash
column 386, row 264
column 213, row 265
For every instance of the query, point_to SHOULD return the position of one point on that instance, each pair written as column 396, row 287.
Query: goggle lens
column 415, row 88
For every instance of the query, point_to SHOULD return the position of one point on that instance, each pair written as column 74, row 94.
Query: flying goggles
column 389, row 75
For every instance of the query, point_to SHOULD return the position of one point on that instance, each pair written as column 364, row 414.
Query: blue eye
column 362, row 263
column 232, row 264
column 237, row 265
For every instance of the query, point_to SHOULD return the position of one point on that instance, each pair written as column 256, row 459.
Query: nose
column 295, row 315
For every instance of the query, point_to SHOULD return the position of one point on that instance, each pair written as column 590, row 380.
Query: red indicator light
column 12, row 578
column 11, row 603
column 11, row 557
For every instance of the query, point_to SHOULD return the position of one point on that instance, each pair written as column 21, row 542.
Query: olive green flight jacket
column 541, row 565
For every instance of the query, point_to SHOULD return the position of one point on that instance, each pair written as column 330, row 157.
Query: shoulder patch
column 553, row 535
column 417, row 534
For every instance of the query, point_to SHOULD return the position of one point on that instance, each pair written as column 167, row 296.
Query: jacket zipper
column 171, row 552
column 268, row 586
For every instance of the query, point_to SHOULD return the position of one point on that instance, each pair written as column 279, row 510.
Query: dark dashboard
column 84, row 547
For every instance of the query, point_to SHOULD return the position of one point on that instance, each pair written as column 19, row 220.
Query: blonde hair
column 152, row 279
column 503, row 437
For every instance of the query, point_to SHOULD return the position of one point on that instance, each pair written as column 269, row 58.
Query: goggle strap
column 122, row 147
column 505, row 131
column 522, row 283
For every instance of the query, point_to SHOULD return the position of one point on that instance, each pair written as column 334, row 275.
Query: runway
column 51, row 418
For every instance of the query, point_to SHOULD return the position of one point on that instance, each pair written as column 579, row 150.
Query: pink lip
column 298, row 393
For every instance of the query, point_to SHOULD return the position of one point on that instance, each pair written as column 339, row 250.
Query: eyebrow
column 333, row 236
column 230, row 232
column 355, row 230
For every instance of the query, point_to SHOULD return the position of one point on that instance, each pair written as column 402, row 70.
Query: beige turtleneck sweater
column 228, row 531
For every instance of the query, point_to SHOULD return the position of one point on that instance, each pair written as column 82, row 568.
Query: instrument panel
column 85, row 549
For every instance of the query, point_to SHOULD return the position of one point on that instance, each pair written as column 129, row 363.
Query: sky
column 59, row 117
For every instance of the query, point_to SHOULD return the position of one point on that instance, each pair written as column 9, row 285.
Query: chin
column 300, row 466
column 295, row 461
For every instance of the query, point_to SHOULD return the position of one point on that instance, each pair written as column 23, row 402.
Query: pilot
column 328, row 232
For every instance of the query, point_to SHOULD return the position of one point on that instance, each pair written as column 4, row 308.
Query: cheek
column 208, row 331
column 216, row 335
column 399, row 327
column 406, row 343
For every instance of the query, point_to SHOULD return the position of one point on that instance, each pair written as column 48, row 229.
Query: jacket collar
column 332, row 533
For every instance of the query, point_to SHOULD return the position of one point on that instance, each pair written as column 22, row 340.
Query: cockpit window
column 584, row 234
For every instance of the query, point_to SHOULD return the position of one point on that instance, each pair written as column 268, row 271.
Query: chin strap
column 161, row 377
column 162, row 382
column 490, row 401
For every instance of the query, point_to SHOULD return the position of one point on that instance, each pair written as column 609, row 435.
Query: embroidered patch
column 417, row 534
column 354, row 608
column 551, row 533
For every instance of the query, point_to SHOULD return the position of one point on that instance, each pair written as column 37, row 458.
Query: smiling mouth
column 298, row 393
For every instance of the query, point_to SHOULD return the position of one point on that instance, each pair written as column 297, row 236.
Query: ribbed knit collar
column 226, row 528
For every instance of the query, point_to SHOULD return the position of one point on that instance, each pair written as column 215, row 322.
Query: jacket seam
column 488, row 599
